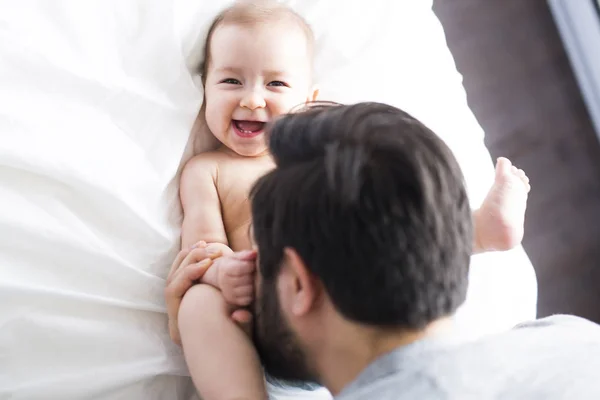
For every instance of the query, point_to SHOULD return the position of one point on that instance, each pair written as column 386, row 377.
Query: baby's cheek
column 289, row 105
column 211, row 118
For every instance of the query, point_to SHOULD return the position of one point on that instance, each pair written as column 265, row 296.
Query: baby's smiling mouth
column 248, row 127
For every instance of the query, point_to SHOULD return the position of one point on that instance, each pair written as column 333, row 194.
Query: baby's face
column 255, row 74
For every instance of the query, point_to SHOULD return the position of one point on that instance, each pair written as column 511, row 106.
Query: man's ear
column 303, row 285
column 313, row 94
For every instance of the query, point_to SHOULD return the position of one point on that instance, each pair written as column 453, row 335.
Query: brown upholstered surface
column 522, row 91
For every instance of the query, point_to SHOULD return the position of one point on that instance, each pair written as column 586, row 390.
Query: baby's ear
column 313, row 94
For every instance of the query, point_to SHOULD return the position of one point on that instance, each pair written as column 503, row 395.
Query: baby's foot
column 499, row 223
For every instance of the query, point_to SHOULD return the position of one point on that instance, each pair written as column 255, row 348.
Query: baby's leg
column 220, row 356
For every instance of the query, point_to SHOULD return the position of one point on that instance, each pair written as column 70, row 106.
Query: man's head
column 257, row 65
column 366, row 214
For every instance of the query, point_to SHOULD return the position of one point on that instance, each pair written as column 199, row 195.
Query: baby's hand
column 215, row 250
column 236, row 278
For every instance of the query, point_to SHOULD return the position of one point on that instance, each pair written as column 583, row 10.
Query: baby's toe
column 503, row 162
column 503, row 171
column 523, row 176
column 524, row 179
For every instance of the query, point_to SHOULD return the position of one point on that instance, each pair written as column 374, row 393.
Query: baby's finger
column 246, row 255
column 249, row 279
column 243, row 291
column 237, row 268
column 243, row 301
column 243, row 280
column 238, row 281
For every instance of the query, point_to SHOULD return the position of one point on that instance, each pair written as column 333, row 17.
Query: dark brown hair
column 375, row 205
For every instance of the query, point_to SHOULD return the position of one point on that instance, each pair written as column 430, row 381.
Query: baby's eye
column 278, row 83
column 231, row 81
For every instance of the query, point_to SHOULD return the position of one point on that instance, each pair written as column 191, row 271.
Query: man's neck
column 356, row 347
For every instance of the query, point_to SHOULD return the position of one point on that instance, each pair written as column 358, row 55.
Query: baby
column 258, row 65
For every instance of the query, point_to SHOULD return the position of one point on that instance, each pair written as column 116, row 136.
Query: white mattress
column 96, row 104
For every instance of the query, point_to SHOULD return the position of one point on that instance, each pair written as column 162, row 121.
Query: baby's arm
column 217, row 351
column 202, row 218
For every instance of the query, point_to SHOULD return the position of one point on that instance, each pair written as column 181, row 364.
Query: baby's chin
column 255, row 154
column 248, row 150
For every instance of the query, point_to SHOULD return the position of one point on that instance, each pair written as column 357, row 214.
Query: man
column 364, row 235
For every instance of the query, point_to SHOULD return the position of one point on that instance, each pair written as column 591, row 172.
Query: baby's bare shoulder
column 202, row 164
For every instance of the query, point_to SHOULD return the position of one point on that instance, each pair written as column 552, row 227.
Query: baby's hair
column 251, row 13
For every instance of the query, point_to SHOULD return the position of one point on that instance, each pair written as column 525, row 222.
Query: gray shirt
column 552, row 358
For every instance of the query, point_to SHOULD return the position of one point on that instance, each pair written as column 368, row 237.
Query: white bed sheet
column 96, row 104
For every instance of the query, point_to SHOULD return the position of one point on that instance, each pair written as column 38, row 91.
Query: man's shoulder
column 560, row 321
column 510, row 360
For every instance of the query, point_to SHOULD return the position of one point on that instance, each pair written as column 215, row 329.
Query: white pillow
column 95, row 109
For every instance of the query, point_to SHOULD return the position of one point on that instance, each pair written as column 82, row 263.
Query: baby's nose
column 253, row 100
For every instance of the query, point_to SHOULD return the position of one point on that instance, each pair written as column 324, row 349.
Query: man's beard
column 278, row 347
